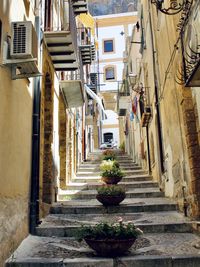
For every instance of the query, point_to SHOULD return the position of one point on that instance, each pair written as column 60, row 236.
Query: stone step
column 135, row 178
column 161, row 222
column 88, row 174
column 128, row 185
column 70, row 231
column 135, row 193
column 96, row 164
column 150, row 250
column 127, row 206
column 93, row 185
column 96, row 173
column 84, row 168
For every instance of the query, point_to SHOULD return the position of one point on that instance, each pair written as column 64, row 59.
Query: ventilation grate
column 19, row 39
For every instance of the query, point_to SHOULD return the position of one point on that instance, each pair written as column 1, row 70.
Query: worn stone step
column 127, row 185
column 97, row 174
column 127, row 206
column 161, row 222
column 137, row 178
column 88, row 174
column 134, row 193
column 70, row 231
column 97, row 168
column 93, row 185
column 94, row 164
column 137, row 218
column 150, row 250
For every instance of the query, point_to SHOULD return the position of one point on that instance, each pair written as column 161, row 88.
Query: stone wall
column 46, row 134
column 62, row 141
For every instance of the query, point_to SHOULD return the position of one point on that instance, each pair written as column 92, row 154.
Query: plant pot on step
column 111, row 180
column 110, row 195
column 110, row 200
column 110, row 246
column 109, row 239
column 111, row 172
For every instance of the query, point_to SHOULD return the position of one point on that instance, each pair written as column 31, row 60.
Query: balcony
column 62, row 43
column 80, row 6
column 87, row 53
column 123, row 98
column 72, row 89
column 189, row 73
column 87, row 49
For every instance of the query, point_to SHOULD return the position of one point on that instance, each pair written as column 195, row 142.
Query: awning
column 96, row 98
column 88, row 21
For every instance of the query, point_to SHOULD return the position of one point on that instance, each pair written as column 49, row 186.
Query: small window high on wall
column 108, row 46
column 110, row 73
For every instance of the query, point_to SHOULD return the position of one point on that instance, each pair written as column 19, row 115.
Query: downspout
column 34, row 194
column 148, row 149
column 157, row 104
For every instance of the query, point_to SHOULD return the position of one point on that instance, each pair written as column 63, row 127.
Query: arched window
column 109, row 73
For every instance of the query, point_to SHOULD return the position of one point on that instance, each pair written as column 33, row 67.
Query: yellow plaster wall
column 171, row 100
column 15, row 142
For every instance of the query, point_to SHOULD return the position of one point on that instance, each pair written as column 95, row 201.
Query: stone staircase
column 168, row 240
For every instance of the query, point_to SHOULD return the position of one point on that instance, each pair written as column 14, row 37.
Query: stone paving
column 169, row 239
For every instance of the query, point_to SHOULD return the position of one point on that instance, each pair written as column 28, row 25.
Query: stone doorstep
column 136, row 261
column 70, row 231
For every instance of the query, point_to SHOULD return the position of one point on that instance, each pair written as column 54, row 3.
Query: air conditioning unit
column 24, row 43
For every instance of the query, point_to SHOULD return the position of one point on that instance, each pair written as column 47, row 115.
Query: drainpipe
column 34, row 194
column 148, row 149
column 157, row 104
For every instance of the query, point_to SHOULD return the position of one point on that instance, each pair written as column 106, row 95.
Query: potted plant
column 109, row 155
column 110, row 172
column 122, row 147
column 110, row 195
column 110, row 239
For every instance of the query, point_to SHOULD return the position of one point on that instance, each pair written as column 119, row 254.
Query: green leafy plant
column 111, row 190
column 107, row 165
column 120, row 230
column 110, row 168
column 122, row 147
column 109, row 155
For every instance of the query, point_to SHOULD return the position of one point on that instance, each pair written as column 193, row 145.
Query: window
column 108, row 46
column 110, row 73
column 48, row 15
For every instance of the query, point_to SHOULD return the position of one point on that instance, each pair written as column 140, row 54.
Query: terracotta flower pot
column 111, row 180
column 107, row 200
column 110, row 247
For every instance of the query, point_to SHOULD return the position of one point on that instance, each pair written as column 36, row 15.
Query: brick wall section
column 193, row 148
column 62, row 141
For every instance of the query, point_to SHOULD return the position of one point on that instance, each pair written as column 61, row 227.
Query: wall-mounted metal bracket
column 23, row 68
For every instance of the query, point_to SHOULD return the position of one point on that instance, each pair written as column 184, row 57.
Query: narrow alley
column 99, row 133
column 168, row 238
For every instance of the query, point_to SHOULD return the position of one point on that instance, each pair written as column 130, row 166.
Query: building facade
column 165, row 100
column 45, row 50
column 112, row 31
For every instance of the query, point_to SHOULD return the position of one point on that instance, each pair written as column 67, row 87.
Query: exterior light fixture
column 173, row 8
column 132, row 78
